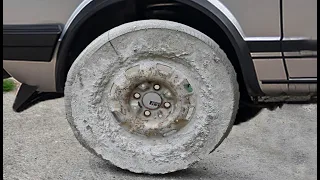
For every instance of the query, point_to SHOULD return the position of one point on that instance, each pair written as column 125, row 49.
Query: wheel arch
column 131, row 10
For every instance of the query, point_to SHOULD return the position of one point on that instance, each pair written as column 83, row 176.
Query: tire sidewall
column 188, row 50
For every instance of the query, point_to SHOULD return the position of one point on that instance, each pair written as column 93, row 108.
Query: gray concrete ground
column 276, row 145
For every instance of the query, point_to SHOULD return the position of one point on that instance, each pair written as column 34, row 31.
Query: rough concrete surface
column 281, row 144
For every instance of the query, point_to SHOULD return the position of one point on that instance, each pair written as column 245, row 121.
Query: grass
column 8, row 85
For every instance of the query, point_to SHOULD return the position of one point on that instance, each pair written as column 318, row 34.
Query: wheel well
column 133, row 10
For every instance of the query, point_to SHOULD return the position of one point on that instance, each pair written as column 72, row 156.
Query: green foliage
column 8, row 85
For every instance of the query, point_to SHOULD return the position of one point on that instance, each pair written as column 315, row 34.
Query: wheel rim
column 152, row 99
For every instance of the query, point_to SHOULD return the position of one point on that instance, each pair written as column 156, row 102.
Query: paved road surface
column 276, row 145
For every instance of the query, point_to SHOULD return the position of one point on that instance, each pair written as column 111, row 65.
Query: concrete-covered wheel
column 151, row 96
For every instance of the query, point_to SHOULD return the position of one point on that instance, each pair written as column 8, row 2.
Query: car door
column 38, row 12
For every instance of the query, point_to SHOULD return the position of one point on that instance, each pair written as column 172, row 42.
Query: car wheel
column 151, row 96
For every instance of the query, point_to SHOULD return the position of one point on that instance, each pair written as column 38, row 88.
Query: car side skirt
column 285, row 67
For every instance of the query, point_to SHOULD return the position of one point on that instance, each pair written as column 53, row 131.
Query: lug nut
column 147, row 113
column 136, row 95
column 167, row 105
column 156, row 87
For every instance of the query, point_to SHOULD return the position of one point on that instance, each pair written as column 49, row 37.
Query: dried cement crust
column 193, row 53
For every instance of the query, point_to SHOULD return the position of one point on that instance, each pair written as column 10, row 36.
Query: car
column 154, row 86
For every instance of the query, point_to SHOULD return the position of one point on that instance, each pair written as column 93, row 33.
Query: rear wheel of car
column 151, row 96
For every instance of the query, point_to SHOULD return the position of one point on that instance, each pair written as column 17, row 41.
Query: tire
column 195, row 76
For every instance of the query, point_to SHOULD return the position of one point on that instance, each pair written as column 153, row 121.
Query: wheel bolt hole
column 160, row 114
column 143, row 86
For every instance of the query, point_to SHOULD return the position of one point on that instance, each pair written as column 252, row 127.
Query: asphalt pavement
column 38, row 144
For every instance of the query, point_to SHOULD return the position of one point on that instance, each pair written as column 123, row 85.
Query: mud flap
column 28, row 96
column 5, row 75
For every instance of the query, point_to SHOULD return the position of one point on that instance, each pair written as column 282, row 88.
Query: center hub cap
column 152, row 100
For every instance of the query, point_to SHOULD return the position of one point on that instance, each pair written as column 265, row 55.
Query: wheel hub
column 152, row 99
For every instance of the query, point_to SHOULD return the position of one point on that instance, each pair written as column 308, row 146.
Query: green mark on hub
column 188, row 87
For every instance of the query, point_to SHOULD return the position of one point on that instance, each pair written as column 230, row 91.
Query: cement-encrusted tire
column 151, row 96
